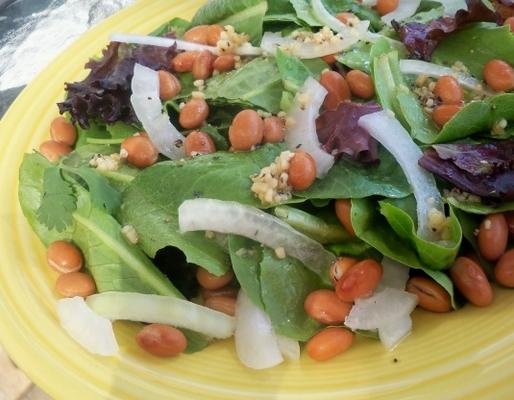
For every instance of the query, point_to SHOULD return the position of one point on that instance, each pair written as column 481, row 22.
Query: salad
column 289, row 173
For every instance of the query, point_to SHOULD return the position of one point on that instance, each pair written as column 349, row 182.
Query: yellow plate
column 466, row 354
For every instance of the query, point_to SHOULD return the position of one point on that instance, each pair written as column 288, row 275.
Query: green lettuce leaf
column 350, row 179
column 357, row 57
column 292, row 71
column 150, row 203
column 177, row 26
column 479, row 207
column 256, row 84
column 474, row 45
column 244, row 15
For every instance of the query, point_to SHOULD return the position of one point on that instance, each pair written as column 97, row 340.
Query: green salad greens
column 273, row 170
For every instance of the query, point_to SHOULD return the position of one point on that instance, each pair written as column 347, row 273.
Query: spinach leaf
column 373, row 228
column 246, row 257
column 96, row 130
column 474, row 45
column 151, row 202
column 285, row 283
column 401, row 216
column 479, row 207
column 219, row 140
column 256, row 84
column 304, row 12
column 354, row 248
column 121, row 130
column 357, row 57
column 292, row 71
column 280, row 11
column 316, row 66
column 244, row 15
column 478, row 116
column 425, row 16
column 350, row 179
column 177, row 26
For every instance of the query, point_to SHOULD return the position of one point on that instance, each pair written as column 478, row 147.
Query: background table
column 32, row 33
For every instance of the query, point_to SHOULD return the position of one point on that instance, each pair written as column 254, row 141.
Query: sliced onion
column 452, row 6
column 417, row 67
column 393, row 136
column 392, row 333
column 271, row 41
column 239, row 219
column 350, row 34
column 256, row 343
column 369, row 3
column 302, row 134
column 148, row 108
column 244, row 50
column 405, row 9
column 91, row 331
column 167, row 310
column 289, row 348
column 395, row 274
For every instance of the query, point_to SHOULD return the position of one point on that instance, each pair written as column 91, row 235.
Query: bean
column 224, row 63
column 302, row 170
column 337, row 88
column 274, row 128
column 384, row 7
column 202, row 65
column 471, row 281
column 213, row 34
column 346, row 17
column 329, row 343
column 340, row 266
column 499, row 75
column 63, row 131
column 246, row 130
column 211, row 281
column 431, row 296
column 198, row 142
column 183, row 62
column 360, row 84
column 448, row 90
column 493, row 235
column 224, row 304
column 344, row 214
column 194, row 113
column 53, row 151
column 161, row 340
column 330, row 59
column 169, row 85
column 510, row 23
column 140, row 150
column 359, row 281
column 226, row 291
column 324, row 306
column 197, row 34
column 75, row 284
column 504, row 269
column 509, row 217
column 445, row 112
column 64, row 257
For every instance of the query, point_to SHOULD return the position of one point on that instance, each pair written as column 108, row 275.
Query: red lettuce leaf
column 422, row 39
column 486, row 170
column 105, row 93
column 339, row 133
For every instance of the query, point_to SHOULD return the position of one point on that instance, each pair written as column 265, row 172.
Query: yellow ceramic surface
column 465, row 354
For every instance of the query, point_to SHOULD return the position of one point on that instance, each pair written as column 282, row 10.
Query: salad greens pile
column 386, row 154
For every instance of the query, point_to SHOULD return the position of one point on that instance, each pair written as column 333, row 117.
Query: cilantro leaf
column 58, row 201
column 103, row 195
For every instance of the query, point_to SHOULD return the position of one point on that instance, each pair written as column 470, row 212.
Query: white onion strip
column 256, row 344
column 90, row 330
column 239, row 219
column 405, row 9
column 350, row 34
column 417, row 67
column 244, row 50
column 168, row 310
column 148, row 108
column 393, row 136
column 302, row 134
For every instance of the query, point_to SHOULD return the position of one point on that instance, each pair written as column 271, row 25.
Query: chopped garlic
column 210, row 234
column 499, row 127
column 438, row 223
column 271, row 184
column 487, row 224
column 106, row 163
column 230, row 40
column 197, row 94
column 280, row 252
column 129, row 232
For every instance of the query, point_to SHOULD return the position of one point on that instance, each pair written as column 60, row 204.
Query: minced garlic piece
column 323, row 37
column 460, row 68
column 280, row 252
column 487, row 224
column 199, row 84
column 460, row 195
column 271, row 184
column 499, row 127
column 129, row 232
column 230, row 40
column 197, row 94
column 425, row 93
column 210, row 234
column 438, row 223
column 303, row 100
column 106, row 163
